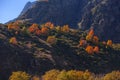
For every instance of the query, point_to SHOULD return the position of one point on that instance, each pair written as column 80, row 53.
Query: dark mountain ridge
column 102, row 15
column 59, row 12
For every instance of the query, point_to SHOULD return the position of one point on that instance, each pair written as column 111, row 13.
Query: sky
column 10, row 9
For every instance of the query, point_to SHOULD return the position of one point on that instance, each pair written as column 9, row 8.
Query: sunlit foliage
column 51, row 39
column 65, row 28
column 13, row 26
column 38, row 32
column 13, row 40
column 51, row 75
column 83, row 42
column 109, row 43
column 44, row 30
column 35, row 78
column 115, row 75
column 90, row 35
column 89, row 49
column 95, row 39
column 33, row 28
column 49, row 25
column 19, row 75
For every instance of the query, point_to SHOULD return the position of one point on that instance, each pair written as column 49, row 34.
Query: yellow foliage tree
column 89, row 49
column 13, row 40
column 19, row 75
column 58, row 28
column 75, row 75
column 51, row 75
column 115, row 75
column 89, row 38
column 51, row 39
column 62, row 75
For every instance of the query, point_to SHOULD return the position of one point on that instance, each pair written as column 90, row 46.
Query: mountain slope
column 103, row 15
column 60, row 12
column 22, row 50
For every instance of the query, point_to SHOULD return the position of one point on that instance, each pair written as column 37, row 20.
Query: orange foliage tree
column 65, row 28
column 44, row 30
column 109, row 43
column 49, row 25
column 13, row 40
column 33, row 28
column 83, row 42
column 38, row 32
column 91, row 32
column 89, row 49
column 95, row 39
column 96, row 49
column 90, row 35
column 13, row 26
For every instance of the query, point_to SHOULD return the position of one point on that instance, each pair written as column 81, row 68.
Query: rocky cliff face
column 27, row 6
column 103, row 15
column 59, row 12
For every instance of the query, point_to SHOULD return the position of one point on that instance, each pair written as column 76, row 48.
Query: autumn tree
column 109, row 43
column 114, row 75
column 75, row 75
column 65, row 28
column 19, row 75
column 83, row 42
column 95, row 39
column 51, row 39
column 51, row 75
column 49, row 25
column 33, row 28
column 35, row 78
column 13, row 26
column 13, row 40
column 44, row 30
column 38, row 32
column 89, row 49
column 62, row 75
column 96, row 49
column 91, row 32
column 90, row 35
column 58, row 28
